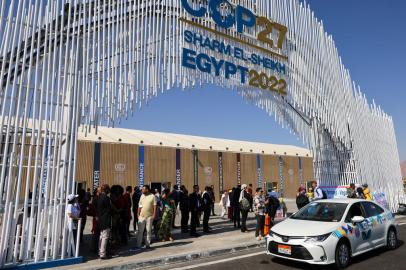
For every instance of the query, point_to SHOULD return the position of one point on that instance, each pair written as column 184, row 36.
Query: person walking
column 184, row 207
column 136, row 200
column 224, row 203
column 157, row 219
column 165, row 228
column 213, row 199
column 351, row 192
column 103, row 211
column 230, row 207
column 272, row 205
column 360, row 193
column 250, row 192
column 301, row 198
column 92, row 211
column 127, row 205
column 195, row 205
column 174, row 195
column 367, row 193
column 318, row 192
column 146, row 215
column 84, row 204
column 207, row 203
column 245, row 206
column 259, row 209
column 73, row 215
column 236, row 206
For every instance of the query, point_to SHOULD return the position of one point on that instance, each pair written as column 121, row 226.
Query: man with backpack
column 319, row 194
column 272, row 205
column 301, row 199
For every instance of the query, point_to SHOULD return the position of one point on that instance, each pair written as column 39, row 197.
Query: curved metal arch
column 72, row 64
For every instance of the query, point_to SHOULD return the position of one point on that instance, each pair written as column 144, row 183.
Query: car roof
column 342, row 200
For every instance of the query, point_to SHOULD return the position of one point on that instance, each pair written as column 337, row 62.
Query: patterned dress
column 165, row 229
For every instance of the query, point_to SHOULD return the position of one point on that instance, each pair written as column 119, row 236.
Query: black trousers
column 244, row 215
column 82, row 228
column 206, row 217
column 236, row 215
column 260, row 225
column 193, row 221
column 184, row 220
column 212, row 209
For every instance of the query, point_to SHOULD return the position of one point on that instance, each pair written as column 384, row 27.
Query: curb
column 183, row 257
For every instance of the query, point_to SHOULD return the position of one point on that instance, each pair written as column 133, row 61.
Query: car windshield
column 321, row 211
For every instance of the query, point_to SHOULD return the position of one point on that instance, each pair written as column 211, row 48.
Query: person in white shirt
column 73, row 215
column 318, row 193
column 224, row 203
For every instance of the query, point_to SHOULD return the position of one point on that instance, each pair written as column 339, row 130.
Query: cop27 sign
column 252, row 44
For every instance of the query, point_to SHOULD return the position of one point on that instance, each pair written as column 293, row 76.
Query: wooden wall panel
column 307, row 169
column 249, row 170
column 292, row 181
column 208, row 170
column 118, row 164
column 160, row 165
column 229, row 170
column 269, row 168
column 84, row 162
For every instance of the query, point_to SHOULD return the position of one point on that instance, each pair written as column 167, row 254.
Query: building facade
column 117, row 157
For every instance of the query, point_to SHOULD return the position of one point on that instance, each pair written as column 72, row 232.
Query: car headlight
column 315, row 239
column 271, row 233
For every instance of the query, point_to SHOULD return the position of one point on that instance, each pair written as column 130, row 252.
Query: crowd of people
column 153, row 213
column 303, row 197
column 239, row 201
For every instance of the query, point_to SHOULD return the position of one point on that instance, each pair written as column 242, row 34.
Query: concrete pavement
column 224, row 239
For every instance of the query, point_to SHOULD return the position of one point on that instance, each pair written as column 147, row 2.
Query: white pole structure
column 73, row 64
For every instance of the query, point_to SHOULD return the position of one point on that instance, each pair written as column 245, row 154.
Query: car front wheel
column 392, row 239
column 342, row 256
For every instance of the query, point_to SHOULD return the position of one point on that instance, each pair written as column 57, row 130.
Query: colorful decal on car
column 363, row 229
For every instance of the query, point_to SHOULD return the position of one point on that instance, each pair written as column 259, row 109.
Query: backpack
column 275, row 202
column 302, row 200
column 324, row 194
column 245, row 204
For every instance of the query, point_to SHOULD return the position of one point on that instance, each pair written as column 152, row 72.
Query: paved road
column 255, row 260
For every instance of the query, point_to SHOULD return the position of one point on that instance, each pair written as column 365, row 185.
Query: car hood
column 295, row 227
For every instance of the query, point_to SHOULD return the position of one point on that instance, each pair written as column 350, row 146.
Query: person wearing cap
column 73, row 215
column 367, row 193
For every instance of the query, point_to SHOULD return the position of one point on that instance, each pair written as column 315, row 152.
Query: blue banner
column 178, row 171
column 141, row 165
column 96, row 165
column 259, row 171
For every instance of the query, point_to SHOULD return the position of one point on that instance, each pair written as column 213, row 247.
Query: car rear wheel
column 392, row 239
column 342, row 255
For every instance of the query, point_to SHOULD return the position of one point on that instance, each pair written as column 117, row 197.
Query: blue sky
column 371, row 38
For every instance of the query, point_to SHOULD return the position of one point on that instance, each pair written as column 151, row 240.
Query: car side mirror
column 357, row 219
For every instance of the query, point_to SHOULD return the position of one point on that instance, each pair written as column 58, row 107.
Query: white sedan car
column 333, row 231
